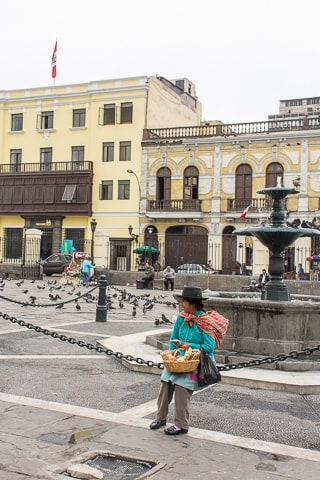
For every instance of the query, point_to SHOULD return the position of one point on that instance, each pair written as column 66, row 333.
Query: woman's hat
column 191, row 294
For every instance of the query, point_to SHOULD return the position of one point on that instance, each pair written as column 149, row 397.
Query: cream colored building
column 71, row 153
column 200, row 180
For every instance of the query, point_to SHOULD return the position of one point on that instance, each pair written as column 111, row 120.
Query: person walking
column 168, row 278
column 300, row 272
column 194, row 328
column 86, row 268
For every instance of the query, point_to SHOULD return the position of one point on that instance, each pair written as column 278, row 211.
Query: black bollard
column 101, row 312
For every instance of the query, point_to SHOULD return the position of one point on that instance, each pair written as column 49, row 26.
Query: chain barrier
column 307, row 351
column 124, row 293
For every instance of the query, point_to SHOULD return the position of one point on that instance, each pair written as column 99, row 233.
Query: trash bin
column 139, row 284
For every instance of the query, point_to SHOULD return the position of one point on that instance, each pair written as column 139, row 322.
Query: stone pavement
column 62, row 405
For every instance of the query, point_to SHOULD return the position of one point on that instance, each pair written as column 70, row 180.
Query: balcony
column 190, row 205
column 188, row 208
column 53, row 188
column 257, row 204
column 232, row 130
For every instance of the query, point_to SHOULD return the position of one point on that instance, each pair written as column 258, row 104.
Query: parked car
column 192, row 268
column 55, row 263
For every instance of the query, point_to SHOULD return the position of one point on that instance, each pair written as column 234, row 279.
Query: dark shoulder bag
column 208, row 372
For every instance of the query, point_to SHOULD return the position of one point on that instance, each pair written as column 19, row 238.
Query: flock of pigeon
column 115, row 298
column 297, row 223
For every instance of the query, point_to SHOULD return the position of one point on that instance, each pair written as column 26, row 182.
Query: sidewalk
column 35, row 445
column 41, row 438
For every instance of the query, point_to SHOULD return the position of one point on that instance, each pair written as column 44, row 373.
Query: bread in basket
column 176, row 363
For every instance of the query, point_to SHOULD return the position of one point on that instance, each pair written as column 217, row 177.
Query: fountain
column 276, row 237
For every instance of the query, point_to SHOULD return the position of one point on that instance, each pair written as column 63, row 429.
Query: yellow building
column 72, row 152
column 200, row 179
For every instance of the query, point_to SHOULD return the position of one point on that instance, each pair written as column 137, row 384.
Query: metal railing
column 47, row 167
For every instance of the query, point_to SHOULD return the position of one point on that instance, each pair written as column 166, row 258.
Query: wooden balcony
column 34, row 188
column 190, row 205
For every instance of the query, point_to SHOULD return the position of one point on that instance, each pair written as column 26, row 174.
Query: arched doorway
column 186, row 244
column 229, row 250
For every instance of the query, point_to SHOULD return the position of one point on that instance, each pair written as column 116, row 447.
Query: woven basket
column 181, row 366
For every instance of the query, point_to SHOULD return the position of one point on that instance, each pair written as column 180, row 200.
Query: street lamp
column 138, row 181
column 241, row 256
column 93, row 226
column 132, row 235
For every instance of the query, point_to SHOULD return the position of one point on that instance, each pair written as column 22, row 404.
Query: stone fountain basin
column 261, row 328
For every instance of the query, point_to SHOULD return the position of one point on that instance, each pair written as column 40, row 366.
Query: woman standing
column 195, row 329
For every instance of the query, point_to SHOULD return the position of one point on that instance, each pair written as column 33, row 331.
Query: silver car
column 192, row 268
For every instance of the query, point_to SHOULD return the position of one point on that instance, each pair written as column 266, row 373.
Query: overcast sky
column 242, row 55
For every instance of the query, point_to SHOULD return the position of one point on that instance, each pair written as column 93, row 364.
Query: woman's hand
column 184, row 346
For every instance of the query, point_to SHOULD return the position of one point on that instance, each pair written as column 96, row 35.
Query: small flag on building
column 245, row 211
column 54, row 62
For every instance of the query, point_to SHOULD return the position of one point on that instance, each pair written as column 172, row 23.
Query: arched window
column 273, row 171
column 243, row 187
column 163, row 184
column 191, row 183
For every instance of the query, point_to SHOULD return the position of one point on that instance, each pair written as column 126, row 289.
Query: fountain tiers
column 277, row 237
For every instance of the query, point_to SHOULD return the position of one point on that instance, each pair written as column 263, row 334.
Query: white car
column 192, row 268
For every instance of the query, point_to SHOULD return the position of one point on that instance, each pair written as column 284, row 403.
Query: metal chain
column 307, row 351
column 128, row 295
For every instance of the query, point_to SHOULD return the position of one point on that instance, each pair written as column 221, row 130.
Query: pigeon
column 314, row 223
column 306, row 224
column 32, row 299
column 165, row 319
column 295, row 223
column 59, row 306
column 121, row 304
column 41, row 287
column 32, row 281
column 296, row 182
column 20, row 283
column 134, row 311
column 25, row 291
column 77, row 305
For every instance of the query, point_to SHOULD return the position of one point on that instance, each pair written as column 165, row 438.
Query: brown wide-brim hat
column 193, row 294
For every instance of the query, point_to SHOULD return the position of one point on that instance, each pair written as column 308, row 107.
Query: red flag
column 54, row 62
column 245, row 211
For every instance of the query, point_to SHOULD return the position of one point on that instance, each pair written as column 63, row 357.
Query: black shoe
column 174, row 430
column 157, row 424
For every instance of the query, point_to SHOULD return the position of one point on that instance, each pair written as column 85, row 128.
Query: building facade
column 200, row 179
column 72, row 153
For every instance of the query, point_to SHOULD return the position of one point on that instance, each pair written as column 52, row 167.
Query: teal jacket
column 197, row 339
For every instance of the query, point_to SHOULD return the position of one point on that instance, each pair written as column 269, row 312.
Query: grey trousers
column 181, row 405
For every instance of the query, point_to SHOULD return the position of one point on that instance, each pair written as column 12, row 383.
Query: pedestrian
column 209, row 266
column 87, row 268
column 149, row 274
column 263, row 279
column 236, row 268
column 168, row 278
column 300, row 272
column 195, row 329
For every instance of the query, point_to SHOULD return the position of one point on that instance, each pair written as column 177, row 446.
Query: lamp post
column 132, row 235
column 241, row 257
column 93, row 226
column 138, row 181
